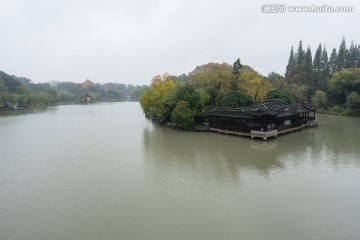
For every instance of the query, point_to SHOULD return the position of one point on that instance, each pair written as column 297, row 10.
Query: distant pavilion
column 264, row 119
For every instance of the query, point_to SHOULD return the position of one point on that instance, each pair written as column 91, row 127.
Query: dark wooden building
column 263, row 119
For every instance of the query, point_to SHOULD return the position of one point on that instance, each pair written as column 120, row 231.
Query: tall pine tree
column 317, row 66
column 236, row 74
column 291, row 64
column 332, row 62
column 324, row 65
column 341, row 57
column 299, row 74
column 350, row 61
column 308, row 67
column 300, row 58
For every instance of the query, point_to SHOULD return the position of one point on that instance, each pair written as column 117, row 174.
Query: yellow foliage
column 213, row 78
column 153, row 98
column 254, row 85
column 88, row 84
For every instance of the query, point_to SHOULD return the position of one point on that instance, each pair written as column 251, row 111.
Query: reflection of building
column 87, row 98
column 262, row 120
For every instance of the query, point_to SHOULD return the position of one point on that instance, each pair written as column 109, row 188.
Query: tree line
column 332, row 84
column 329, row 82
column 183, row 99
column 23, row 92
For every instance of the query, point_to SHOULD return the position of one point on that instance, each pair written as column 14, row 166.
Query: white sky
column 131, row 41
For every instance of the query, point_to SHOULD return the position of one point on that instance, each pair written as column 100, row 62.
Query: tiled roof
column 274, row 108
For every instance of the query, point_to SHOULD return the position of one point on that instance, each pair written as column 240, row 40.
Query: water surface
column 103, row 171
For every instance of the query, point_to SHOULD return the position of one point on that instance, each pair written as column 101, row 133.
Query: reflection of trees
column 339, row 138
column 208, row 154
column 225, row 158
column 28, row 111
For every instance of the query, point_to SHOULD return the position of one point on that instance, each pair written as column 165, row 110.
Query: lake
column 104, row 171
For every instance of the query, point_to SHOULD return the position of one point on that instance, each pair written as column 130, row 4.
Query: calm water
column 103, row 171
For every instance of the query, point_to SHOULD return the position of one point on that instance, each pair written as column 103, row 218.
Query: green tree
column 351, row 55
column 236, row 74
column 283, row 96
column 320, row 68
column 319, row 99
column 317, row 66
column 181, row 78
column 290, row 68
column 343, row 83
column 137, row 92
column 308, row 68
column 183, row 115
column 300, row 58
column 296, row 69
column 10, row 82
column 299, row 92
column 213, row 78
column 353, row 100
column 236, row 98
column 325, row 70
column 332, row 62
column 65, row 96
column 341, row 56
column 277, row 81
column 21, row 90
column 53, row 94
column 187, row 93
column 3, row 88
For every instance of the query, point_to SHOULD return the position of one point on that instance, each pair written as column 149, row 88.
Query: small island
column 236, row 99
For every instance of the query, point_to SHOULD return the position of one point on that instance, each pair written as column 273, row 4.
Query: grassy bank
column 339, row 110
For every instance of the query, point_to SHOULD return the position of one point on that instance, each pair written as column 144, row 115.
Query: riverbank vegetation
column 331, row 83
column 21, row 92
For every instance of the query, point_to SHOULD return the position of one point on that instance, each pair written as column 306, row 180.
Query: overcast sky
column 131, row 41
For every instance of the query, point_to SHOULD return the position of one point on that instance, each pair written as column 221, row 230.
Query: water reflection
column 102, row 171
column 208, row 155
column 11, row 113
column 226, row 157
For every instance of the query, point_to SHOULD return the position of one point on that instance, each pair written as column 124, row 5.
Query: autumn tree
column 213, row 78
column 88, row 84
column 253, row 84
column 153, row 101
